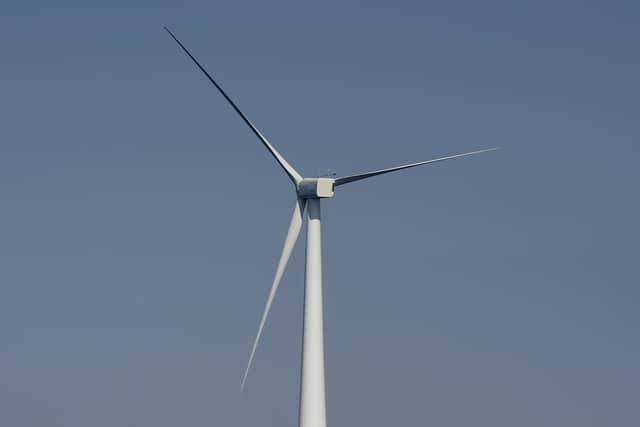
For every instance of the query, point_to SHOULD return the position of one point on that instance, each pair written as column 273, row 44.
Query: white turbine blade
column 291, row 172
column 289, row 243
column 352, row 178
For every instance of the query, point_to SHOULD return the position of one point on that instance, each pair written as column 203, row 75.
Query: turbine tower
column 309, row 193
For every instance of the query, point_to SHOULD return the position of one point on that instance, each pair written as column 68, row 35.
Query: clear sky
column 141, row 221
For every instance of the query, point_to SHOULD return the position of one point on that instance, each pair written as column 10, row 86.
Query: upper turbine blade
column 352, row 178
column 289, row 243
column 291, row 172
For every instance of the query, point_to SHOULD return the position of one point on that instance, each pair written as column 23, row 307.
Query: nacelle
column 316, row 188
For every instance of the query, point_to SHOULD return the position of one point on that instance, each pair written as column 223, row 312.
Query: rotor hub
column 316, row 188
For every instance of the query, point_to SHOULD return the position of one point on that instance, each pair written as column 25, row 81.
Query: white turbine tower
column 309, row 192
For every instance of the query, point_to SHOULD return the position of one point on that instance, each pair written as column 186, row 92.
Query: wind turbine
column 309, row 192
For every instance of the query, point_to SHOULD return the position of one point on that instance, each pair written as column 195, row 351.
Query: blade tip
column 168, row 31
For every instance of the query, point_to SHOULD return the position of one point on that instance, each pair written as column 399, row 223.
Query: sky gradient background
column 141, row 221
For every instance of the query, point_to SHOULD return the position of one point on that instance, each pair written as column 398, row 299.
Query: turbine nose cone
column 316, row 188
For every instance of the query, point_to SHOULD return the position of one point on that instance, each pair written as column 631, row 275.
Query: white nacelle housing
column 315, row 188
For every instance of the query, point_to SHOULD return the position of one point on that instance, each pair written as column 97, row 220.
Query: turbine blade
column 289, row 243
column 291, row 172
column 352, row 178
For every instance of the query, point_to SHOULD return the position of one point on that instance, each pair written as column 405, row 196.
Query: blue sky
column 141, row 220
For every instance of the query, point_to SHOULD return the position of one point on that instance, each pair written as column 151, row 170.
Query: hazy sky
column 141, row 221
